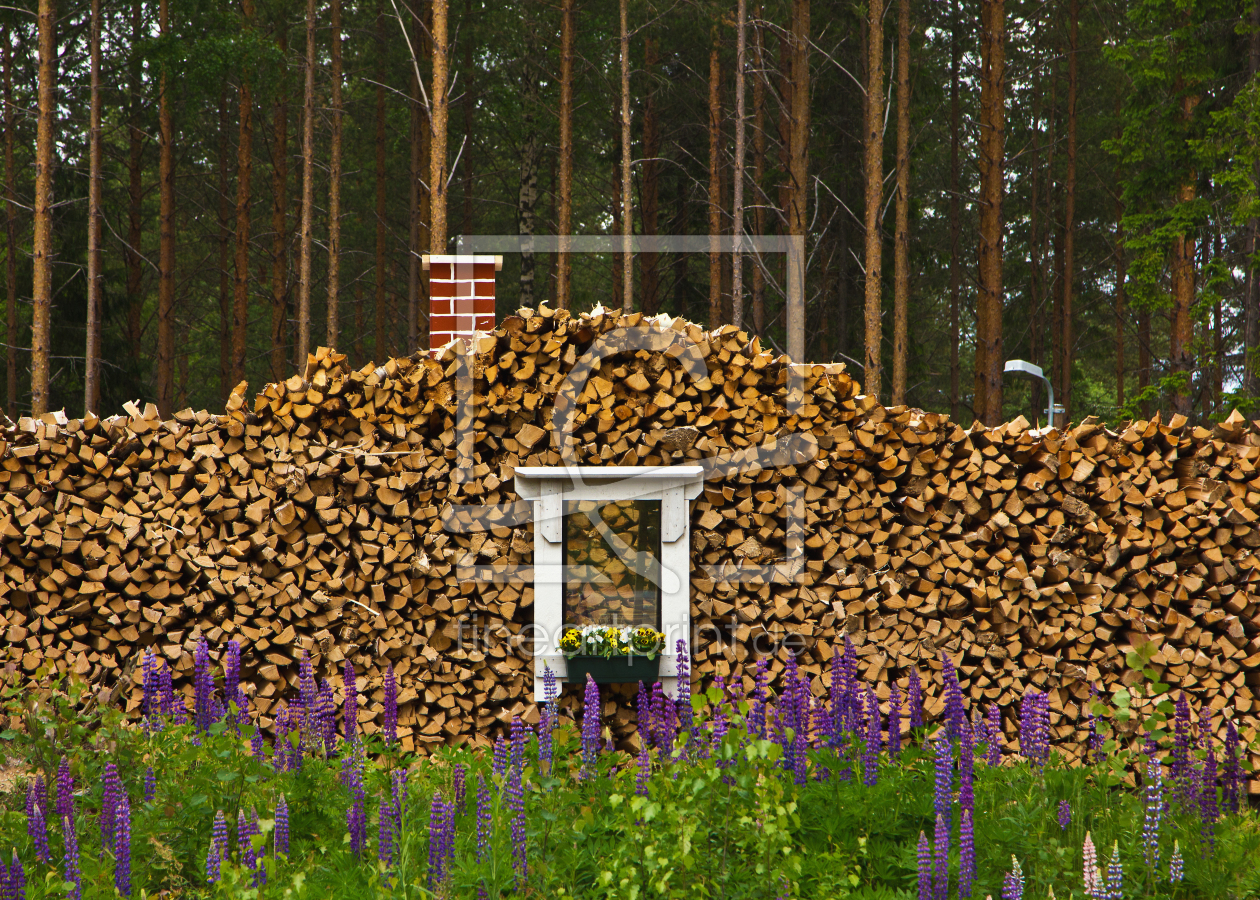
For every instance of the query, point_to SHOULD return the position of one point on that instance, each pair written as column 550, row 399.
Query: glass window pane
column 611, row 564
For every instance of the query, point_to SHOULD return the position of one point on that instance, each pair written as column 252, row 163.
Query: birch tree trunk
column 901, row 249
column 334, row 191
column 873, row 170
column 42, row 288
column 92, row 361
column 166, row 240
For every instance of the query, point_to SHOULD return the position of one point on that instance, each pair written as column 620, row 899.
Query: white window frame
column 549, row 489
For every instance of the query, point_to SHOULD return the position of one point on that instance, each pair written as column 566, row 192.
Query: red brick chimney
column 461, row 296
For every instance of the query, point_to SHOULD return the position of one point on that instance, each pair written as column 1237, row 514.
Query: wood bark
column 280, row 213
column 531, row 159
column 466, row 225
column 380, row 317
column 564, row 225
column 223, row 176
column 1251, row 315
column 901, row 250
column 333, row 337
column 1036, row 260
column 1181, row 334
column 1069, row 218
column 244, row 170
column 798, row 171
column 10, row 228
column 618, row 271
column 627, row 187
column 873, row 171
column 737, row 199
column 649, row 192
column 308, row 194
column 1122, row 273
column 715, row 183
column 955, row 206
column 166, row 238
column 92, row 355
column 438, row 123
column 45, row 148
column 134, row 330
column 759, row 170
column 992, row 163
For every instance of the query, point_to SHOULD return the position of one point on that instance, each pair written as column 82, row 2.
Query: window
column 611, row 546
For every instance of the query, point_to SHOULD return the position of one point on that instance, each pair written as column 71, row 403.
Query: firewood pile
column 325, row 516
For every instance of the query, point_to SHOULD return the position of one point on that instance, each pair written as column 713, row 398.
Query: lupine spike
column 925, row 868
column 70, row 859
column 967, row 855
column 590, row 726
column 1091, row 877
column 1233, row 785
column 17, row 879
column 1115, row 874
column 683, row 702
column 122, row 845
column 1208, row 808
column 870, row 758
column 515, row 801
column 350, row 715
column 65, row 791
column 1154, row 813
column 1013, row 882
column 1176, row 869
column 213, row 861
column 150, row 784
column 940, row 860
column 111, row 792
column 758, row 725
column 915, row 700
column 203, row 686
column 483, row 818
column 391, row 706
column 282, row 826
column 894, row 723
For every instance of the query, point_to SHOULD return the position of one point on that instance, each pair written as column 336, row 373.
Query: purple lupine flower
column 1013, row 882
column 232, row 695
column 966, row 768
column 1065, row 815
column 1027, row 717
column 1209, row 811
column 219, row 834
column 150, row 785
column 36, row 825
column 70, row 859
column 306, row 681
column 483, row 818
column 994, row 757
column 461, row 788
column 254, row 858
column 644, row 771
column 665, row 717
column 967, row 855
column 1180, row 772
column 350, row 701
column 943, row 751
column 851, row 704
column 150, row 706
column 500, row 761
column 398, row 789
column 282, row 826
column 326, row 718
column 835, row 694
column 213, row 864
column 683, row 702
column 914, row 700
column 391, row 706
column 17, row 879
column 122, row 845
column 1154, row 813
column 4, row 879
column 925, row 868
column 1232, row 772
column 65, row 792
column 1115, row 874
column 1176, row 869
column 590, row 726
column 940, row 858
column 515, row 801
column 203, row 687
column 894, row 723
column 111, row 792
column 870, row 755
column 385, row 833
column 166, row 694
column 356, row 813
column 551, row 718
column 955, row 712
column 437, row 822
column 244, row 846
column 757, row 728
column 1094, row 743
column 516, row 744
column 800, row 760
column 42, row 853
column 257, row 748
column 647, row 721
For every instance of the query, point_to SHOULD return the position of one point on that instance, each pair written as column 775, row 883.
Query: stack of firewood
column 330, row 515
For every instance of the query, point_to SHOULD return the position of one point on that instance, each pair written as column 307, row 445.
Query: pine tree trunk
column 737, row 199
column 280, row 215
column 92, row 360
column 873, row 170
column 531, row 153
column 1036, row 273
column 618, row 272
column 134, row 330
column 715, row 184
column 42, row 289
column 466, row 223
column 225, row 245
column 992, row 150
column 798, row 171
column 244, row 169
column 649, row 211
column 1251, row 300
column 413, row 216
column 1144, row 359
column 1121, row 276
column 308, row 195
column 1181, row 335
column 382, row 351
column 759, row 172
column 955, row 207
column 901, row 252
column 438, row 116
column 627, row 188
column 565, row 223
column 166, row 241
column 1069, row 218
column 10, row 228
column 334, row 190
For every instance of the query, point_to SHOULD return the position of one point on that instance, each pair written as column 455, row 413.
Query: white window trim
column 549, row 488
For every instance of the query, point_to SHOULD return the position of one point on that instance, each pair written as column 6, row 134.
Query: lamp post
column 1024, row 367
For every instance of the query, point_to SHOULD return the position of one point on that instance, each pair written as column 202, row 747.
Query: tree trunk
column 1069, row 217
column 531, row 158
column 618, row 272
column 1218, row 346
column 737, row 200
column 1121, row 276
column 1036, row 273
column 134, row 330
column 437, row 118
column 565, row 224
column 308, row 195
column 759, row 172
column 10, row 228
column 280, row 215
column 715, row 184
column 45, row 146
column 992, row 150
column 382, row 350
column 798, row 171
column 1251, row 316
column 901, row 255
column 955, row 207
column 244, row 167
column 92, row 361
column 225, row 244
column 334, row 189
column 649, row 212
column 627, row 188
column 466, row 224
column 873, row 170
column 1181, row 335
column 166, row 241
column 413, row 216
column 1144, row 360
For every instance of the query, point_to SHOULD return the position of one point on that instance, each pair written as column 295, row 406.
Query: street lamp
column 1026, row 368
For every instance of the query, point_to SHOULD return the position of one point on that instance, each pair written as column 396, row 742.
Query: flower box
column 613, row 670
